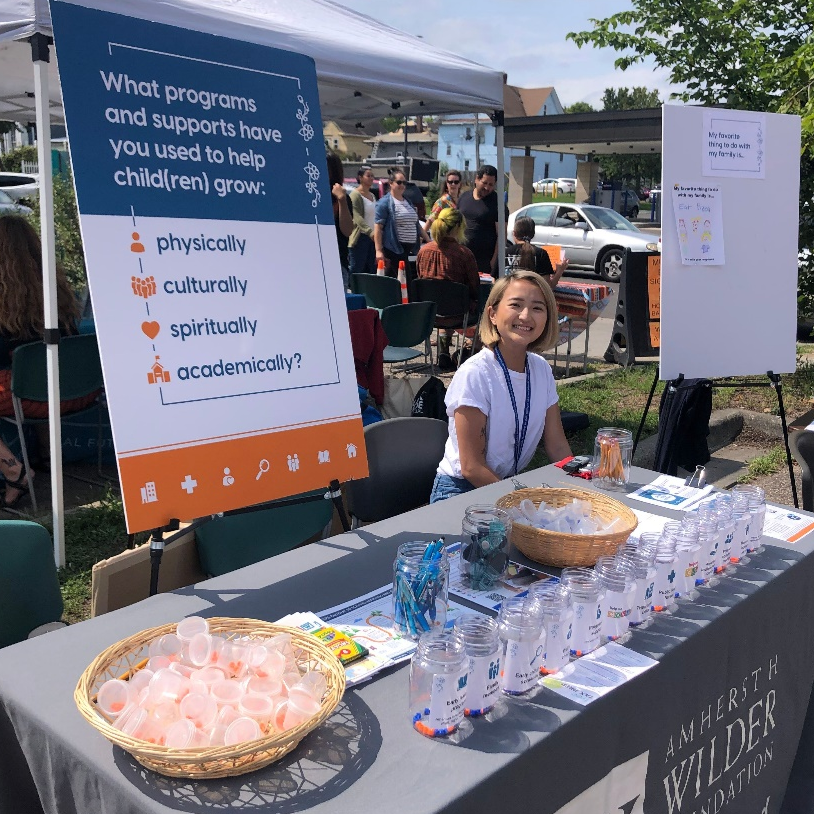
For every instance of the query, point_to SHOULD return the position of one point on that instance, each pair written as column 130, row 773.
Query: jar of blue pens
column 485, row 550
column 420, row 587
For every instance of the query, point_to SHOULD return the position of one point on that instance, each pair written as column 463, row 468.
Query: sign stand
column 774, row 381
column 158, row 543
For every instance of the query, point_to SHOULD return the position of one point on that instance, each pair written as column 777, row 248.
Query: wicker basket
column 212, row 762
column 560, row 549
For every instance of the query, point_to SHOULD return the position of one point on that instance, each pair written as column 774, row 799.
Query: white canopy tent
column 365, row 70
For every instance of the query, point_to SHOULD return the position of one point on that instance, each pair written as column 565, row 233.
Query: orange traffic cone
column 380, row 268
column 403, row 281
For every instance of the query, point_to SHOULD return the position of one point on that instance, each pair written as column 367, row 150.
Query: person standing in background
column 450, row 192
column 397, row 228
column 479, row 207
column 343, row 215
column 361, row 249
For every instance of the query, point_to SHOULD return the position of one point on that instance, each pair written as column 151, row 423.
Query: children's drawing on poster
column 733, row 144
column 699, row 221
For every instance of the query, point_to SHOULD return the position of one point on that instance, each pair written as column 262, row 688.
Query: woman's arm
column 470, row 427
column 378, row 240
column 357, row 202
column 554, row 441
column 343, row 211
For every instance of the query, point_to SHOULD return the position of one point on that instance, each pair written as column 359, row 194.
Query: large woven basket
column 212, row 762
column 560, row 549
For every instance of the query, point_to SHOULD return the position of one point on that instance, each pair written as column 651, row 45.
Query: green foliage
column 773, row 461
column 66, row 228
column 12, row 161
column 390, row 124
column 632, row 169
column 743, row 53
column 579, row 107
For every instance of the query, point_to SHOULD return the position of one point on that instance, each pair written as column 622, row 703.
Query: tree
column 742, row 53
column 579, row 107
column 632, row 169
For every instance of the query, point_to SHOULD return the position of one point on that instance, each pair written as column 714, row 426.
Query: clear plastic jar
column 521, row 637
column 666, row 563
column 726, row 535
column 643, row 564
column 687, row 550
column 438, row 679
column 709, row 541
column 619, row 580
column 757, row 506
column 485, row 551
column 742, row 516
column 483, row 650
column 420, row 588
column 587, row 594
column 553, row 602
column 613, row 450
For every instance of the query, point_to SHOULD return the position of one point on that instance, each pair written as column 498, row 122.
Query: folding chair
column 80, row 374
column 402, row 456
column 29, row 587
column 228, row 543
column 802, row 448
column 407, row 326
column 452, row 305
column 379, row 291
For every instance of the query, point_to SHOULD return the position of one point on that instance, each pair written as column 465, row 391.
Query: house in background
column 352, row 145
column 457, row 136
column 422, row 142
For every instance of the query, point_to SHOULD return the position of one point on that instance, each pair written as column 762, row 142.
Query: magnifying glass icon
column 264, row 467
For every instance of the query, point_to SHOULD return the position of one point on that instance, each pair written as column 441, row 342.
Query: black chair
column 378, row 291
column 407, row 326
column 802, row 448
column 451, row 305
column 402, row 456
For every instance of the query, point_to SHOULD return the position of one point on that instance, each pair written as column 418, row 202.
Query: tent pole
column 497, row 119
column 41, row 57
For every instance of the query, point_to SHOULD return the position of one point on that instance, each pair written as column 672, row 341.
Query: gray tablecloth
column 713, row 727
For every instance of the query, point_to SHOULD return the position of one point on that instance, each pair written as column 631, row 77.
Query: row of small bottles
column 463, row 671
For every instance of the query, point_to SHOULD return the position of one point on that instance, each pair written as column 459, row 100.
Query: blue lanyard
column 519, row 435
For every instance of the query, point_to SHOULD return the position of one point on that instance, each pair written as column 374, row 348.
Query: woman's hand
column 338, row 191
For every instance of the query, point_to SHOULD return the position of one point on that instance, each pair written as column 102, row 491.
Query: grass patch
column 92, row 534
column 769, row 463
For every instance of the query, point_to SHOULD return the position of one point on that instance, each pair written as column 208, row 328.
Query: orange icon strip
column 193, row 482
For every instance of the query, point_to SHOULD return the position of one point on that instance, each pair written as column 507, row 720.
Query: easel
column 158, row 543
column 774, row 381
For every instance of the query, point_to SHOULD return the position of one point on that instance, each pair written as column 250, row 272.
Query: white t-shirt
column 480, row 383
column 370, row 212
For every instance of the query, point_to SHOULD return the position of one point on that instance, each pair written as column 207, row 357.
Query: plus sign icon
column 188, row 484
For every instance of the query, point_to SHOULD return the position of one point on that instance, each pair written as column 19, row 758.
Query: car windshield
column 601, row 218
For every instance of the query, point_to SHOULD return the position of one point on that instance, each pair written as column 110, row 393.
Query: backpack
column 429, row 400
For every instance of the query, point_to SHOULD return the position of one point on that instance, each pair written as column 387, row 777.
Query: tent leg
column 41, row 57
column 497, row 120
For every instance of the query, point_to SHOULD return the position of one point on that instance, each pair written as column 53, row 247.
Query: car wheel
column 610, row 265
column 633, row 214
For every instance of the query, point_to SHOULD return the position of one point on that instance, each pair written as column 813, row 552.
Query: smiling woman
column 503, row 400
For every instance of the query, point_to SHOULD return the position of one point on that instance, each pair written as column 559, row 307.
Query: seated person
column 522, row 254
column 447, row 259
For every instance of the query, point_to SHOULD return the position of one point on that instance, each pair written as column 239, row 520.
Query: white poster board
column 738, row 317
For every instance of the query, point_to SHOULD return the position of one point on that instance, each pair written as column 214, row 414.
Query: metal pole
column 497, row 119
column 41, row 57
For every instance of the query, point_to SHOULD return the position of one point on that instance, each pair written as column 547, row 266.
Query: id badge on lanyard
column 519, row 433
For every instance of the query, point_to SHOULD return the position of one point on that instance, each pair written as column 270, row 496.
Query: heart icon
column 151, row 329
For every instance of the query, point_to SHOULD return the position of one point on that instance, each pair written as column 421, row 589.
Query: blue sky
column 523, row 38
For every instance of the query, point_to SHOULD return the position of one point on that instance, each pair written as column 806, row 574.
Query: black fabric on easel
column 684, row 415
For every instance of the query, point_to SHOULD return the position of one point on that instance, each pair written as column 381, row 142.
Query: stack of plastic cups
column 643, row 563
column 552, row 601
column 742, row 515
column 619, row 580
column 687, row 550
column 483, row 649
column 709, row 541
column 666, row 564
column 726, row 533
column 757, row 506
column 587, row 595
column 522, row 638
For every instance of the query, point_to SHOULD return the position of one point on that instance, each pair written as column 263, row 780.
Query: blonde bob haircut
column 449, row 225
column 488, row 332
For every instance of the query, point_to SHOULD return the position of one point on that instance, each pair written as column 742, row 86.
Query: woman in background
column 361, row 249
column 447, row 259
column 22, row 321
column 522, row 254
column 450, row 192
column 343, row 215
column 397, row 229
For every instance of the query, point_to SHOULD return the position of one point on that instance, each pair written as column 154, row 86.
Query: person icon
column 136, row 246
column 228, row 478
column 293, row 462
